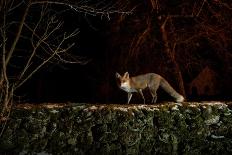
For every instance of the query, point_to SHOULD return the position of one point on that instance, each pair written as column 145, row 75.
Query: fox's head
column 123, row 81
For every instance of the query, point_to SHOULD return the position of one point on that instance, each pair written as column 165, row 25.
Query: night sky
column 136, row 43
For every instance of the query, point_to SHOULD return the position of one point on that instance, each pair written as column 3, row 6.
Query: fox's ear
column 117, row 75
column 126, row 75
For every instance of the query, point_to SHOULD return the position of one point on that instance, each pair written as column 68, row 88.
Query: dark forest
column 69, row 51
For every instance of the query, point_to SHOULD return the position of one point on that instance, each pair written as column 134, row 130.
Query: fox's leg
column 153, row 94
column 154, row 98
column 141, row 93
column 129, row 97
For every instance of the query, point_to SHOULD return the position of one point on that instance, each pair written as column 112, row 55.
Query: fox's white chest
column 126, row 87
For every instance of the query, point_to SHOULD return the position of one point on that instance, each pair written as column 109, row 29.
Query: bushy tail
column 168, row 88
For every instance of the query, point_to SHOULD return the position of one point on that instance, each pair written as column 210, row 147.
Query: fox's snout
column 125, row 84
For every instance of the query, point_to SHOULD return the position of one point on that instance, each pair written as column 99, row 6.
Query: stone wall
column 190, row 128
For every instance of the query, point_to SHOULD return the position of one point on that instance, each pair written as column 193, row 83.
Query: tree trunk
column 6, row 87
column 170, row 54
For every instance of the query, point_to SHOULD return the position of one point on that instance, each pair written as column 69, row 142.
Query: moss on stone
column 188, row 128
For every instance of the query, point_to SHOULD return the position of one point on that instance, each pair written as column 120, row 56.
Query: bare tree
column 44, row 46
column 43, row 38
column 176, row 29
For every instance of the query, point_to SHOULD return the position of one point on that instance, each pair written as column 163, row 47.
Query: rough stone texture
column 189, row 128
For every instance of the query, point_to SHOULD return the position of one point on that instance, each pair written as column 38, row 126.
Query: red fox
column 150, row 80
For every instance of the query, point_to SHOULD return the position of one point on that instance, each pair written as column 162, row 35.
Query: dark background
column 107, row 45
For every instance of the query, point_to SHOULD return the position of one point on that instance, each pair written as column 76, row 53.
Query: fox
column 151, row 81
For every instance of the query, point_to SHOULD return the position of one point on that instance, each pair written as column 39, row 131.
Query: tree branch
column 13, row 46
column 84, row 7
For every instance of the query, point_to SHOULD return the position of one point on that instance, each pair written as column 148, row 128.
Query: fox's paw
column 180, row 99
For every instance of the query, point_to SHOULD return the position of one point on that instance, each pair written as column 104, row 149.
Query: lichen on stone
column 168, row 128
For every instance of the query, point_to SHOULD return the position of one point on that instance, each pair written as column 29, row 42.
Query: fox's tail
column 168, row 88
